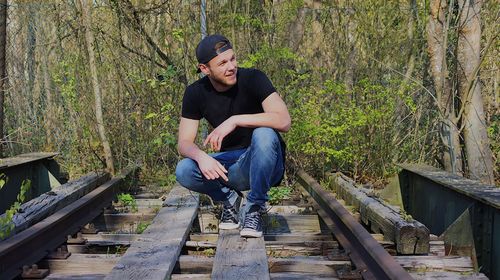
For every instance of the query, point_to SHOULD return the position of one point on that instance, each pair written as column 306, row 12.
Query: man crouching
column 246, row 112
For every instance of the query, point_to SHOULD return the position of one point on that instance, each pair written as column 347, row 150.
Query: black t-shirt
column 201, row 100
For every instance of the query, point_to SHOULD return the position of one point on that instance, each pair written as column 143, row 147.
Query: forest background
column 368, row 83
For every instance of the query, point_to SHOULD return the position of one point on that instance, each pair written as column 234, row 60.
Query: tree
column 459, row 99
column 3, row 72
column 477, row 146
column 437, row 40
column 90, row 43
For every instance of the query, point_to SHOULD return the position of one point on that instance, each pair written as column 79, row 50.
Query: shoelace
column 253, row 220
column 228, row 213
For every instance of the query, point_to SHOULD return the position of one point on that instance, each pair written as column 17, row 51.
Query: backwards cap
column 205, row 50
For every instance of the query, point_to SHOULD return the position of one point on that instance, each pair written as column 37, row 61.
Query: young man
column 246, row 112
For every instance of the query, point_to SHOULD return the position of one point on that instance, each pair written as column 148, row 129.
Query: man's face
column 222, row 69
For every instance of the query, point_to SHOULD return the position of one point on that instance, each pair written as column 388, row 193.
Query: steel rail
column 34, row 243
column 369, row 257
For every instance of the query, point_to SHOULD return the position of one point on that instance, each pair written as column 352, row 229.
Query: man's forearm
column 190, row 150
column 277, row 121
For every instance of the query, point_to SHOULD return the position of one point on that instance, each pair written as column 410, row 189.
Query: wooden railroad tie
column 410, row 236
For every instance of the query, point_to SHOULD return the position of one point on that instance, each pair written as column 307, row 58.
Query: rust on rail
column 370, row 258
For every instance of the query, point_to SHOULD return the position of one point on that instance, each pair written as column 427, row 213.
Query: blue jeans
column 255, row 168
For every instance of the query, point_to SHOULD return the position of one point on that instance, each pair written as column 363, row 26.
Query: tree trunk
column 31, row 62
column 437, row 32
column 477, row 148
column 297, row 30
column 351, row 44
column 410, row 62
column 3, row 72
column 90, row 41
column 49, row 111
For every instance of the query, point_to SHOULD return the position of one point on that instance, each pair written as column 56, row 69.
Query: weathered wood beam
column 274, row 276
column 274, row 223
column 41, row 207
column 154, row 255
column 122, row 222
column 409, row 235
column 270, row 237
column 240, row 257
column 316, row 264
column 93, row 276
column 32, row 244
column 436, row 263
column 80, row 264
column 446, row 275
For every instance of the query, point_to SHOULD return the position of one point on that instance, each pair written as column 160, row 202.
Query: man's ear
column 204, row 69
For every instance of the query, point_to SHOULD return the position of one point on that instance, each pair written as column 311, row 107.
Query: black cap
column 205, row 50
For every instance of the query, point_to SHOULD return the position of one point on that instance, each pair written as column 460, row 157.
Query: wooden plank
column 269, row 237
column 24, row 158
column 274, row 223
column 240, row 257
column 80, row 264
column 75, row 277
column 302, row 276
column 140, row 205
column 122, row 222
column 273, row 248
column 441, row 275
column 205, row 276
column 148, row 202
column 272, row 244
column 315, row 264
column 436, row 263
column 322, row 265
column 46, row 204
column 437, row 248
column 410, row 236
column 120, row 218
column 446, row 275
column 289, row 209
column 154, row 254
column 111, row 238
column 146, row 195
column 274, row 276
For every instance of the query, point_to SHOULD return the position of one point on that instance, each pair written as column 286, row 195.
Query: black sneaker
column 252, row 226
column 229, row 218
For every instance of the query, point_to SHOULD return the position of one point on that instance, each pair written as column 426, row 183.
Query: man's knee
column 265, row 138
column 185, row 172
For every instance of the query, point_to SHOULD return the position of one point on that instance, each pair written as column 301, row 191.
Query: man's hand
column 215, row 138
column 211, row 168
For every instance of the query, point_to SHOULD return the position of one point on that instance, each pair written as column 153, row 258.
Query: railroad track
column 312, row 236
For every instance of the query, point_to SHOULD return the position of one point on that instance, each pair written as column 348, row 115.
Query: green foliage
column 127, row 200
column 64, row 78
column 277, row 194
column 243, row 20
column 278, row 54
column 407, row 217
column 353, row 129
column 494, row 135
column 141, row 227
column 3, row 180
column 6, row 224
column 339, row 66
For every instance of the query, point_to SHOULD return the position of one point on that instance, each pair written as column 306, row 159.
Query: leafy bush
column 127, row 200
column 6, row 224
column 277, row 194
